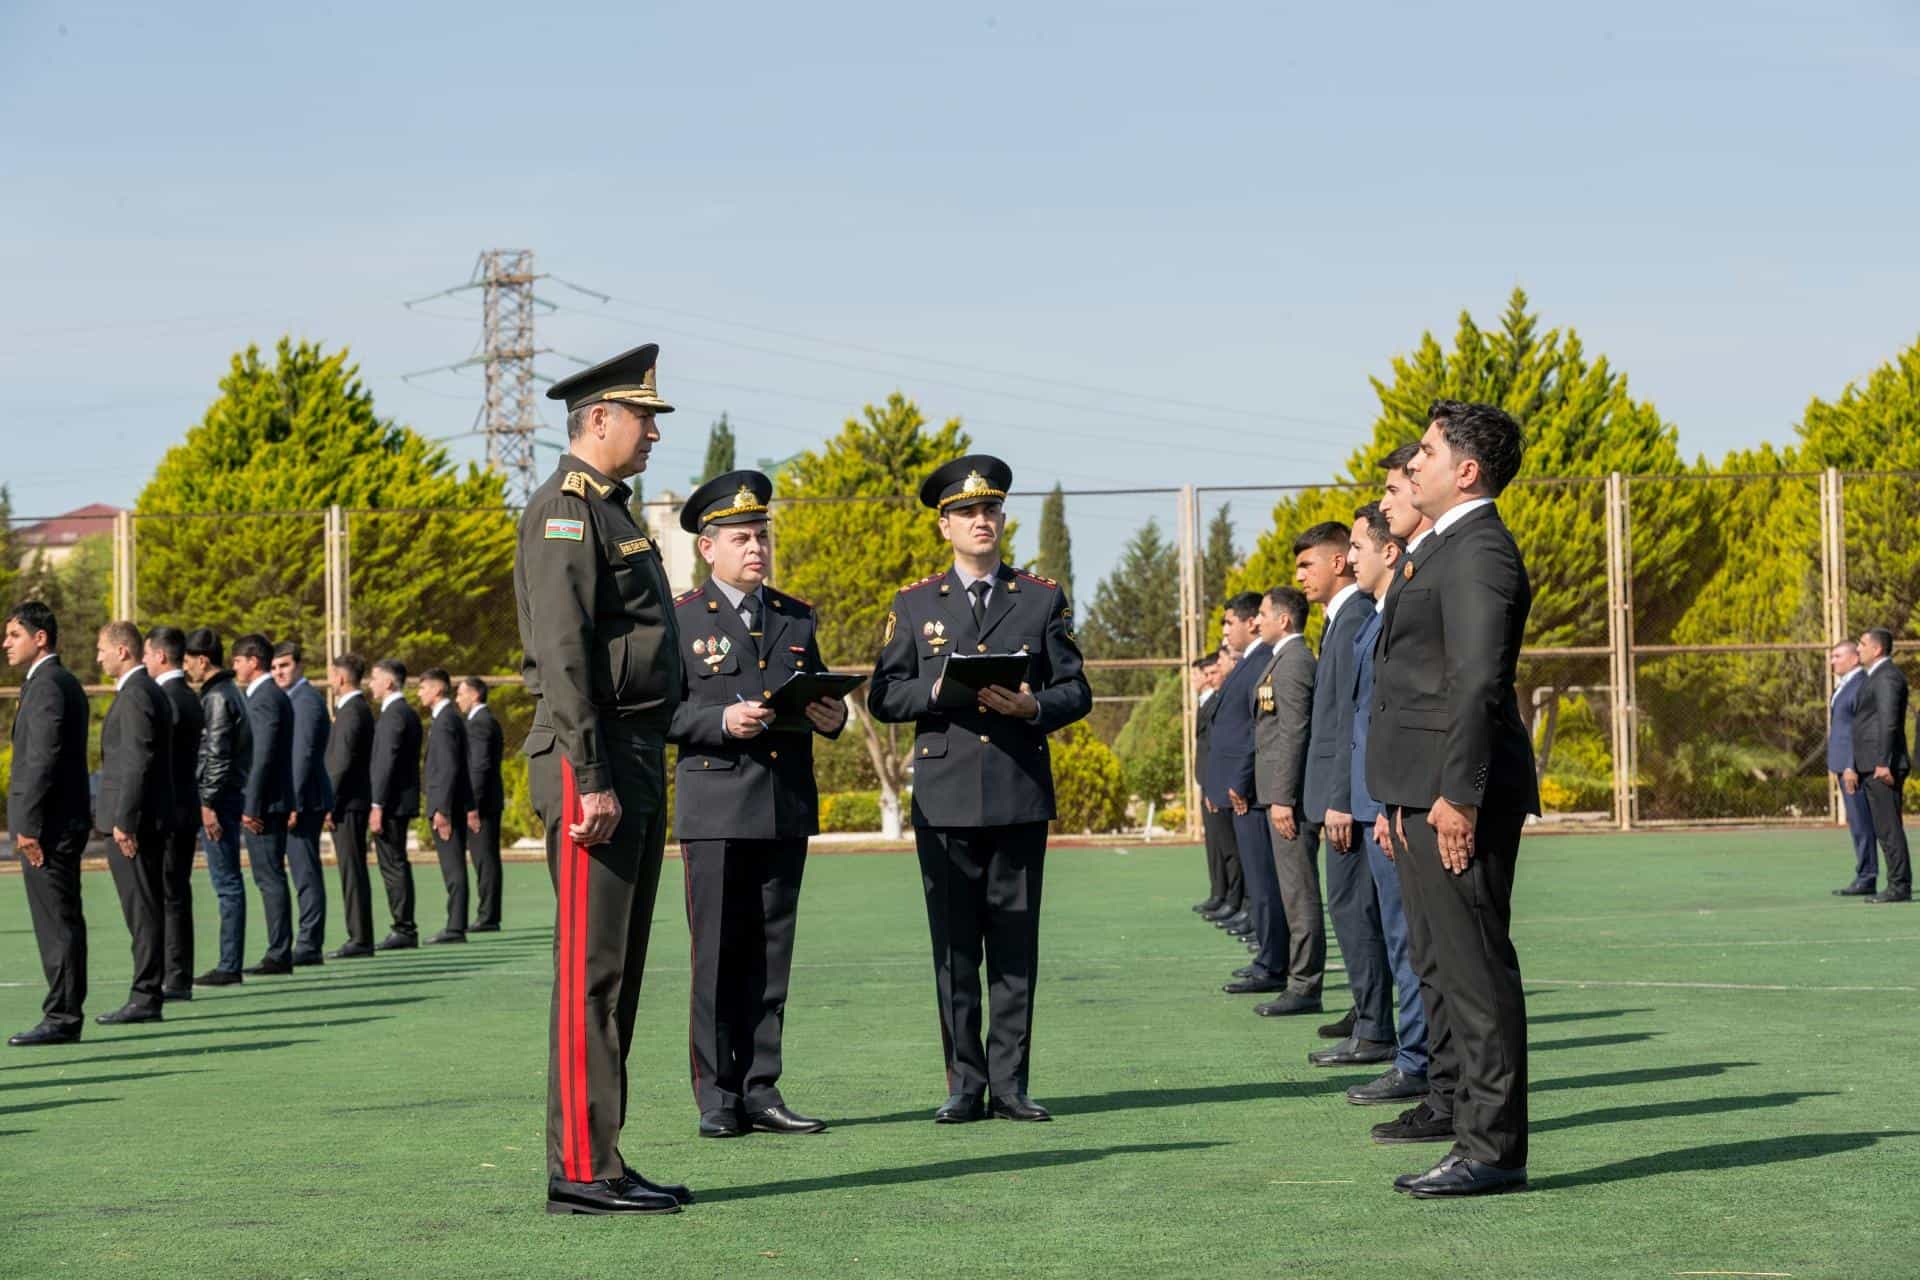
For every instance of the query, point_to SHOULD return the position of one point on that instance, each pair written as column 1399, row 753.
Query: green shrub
column 1090, row 789
column 857, row 811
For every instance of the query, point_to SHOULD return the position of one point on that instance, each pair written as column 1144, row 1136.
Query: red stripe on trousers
column 693, row 967
column 576, row 1154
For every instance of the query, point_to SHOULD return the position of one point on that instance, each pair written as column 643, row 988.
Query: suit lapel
column 725, row 621
column 1006, row 594
column 775, row 620
column 953, row 608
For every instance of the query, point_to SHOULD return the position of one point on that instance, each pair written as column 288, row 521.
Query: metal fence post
column 1624, row 720
column 338, row 615
column 123, row 591
column 1833, row 590
column 1189, row 521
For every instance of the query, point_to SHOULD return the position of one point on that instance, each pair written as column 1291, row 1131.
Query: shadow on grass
column 1666, row 1110
column 50, row 1104
column 941, row 1170
column 69, row 1082
column 304, row 1008
column 142, row 1036
column 1640, row 1075
column 371, row 984
column 1582, row 1017
column 1721, row 1155
column 146, row 1055
column 1593, row 1042
column 1087, row 1104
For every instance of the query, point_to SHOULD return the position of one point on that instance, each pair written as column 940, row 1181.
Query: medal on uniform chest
column 717, row 649
column 936, row 633
column 1409, row 571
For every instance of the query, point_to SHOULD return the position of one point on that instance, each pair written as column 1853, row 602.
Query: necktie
column 979, row 593
column 751, row 604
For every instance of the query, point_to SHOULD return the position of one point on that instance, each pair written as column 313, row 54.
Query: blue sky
column 1128, row 244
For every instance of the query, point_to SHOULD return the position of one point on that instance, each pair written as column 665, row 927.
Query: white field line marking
column 1771, row 1275
column 1310, row 1182
column 1703, row 986
column 1755, row 942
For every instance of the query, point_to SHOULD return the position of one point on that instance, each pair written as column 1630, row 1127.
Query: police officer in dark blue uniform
column 745, row 804
column 983, row 781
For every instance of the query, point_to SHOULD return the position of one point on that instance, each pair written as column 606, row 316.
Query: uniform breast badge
column 936, row 633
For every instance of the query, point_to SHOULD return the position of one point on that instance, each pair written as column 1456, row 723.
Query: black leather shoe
column 218, row 978
column 961, row 1108
column 1395, row 1086
column 349, row 951
column 307, row 959
column 1416, row 1124
column 1244, row 971
column 1288, row 1005
column 1211, row 904
column 721, row 1124
column 1238, row 920
column 268, row 967
column 446, row 936
column 494, row 928
column 680, row 1193
column 128, row 1013
column 1225, row 911
column 610, row 1195
column 174, row 995
column 1858, row 889
column 1016, row 1106
column 1240, row 930
column 44, row 1034
column 1459, row 1176
column 398, row 942
column 1891, row 897
column 1260, row 980
column 1337, row 1030
column 779, row 1119
column 1352, row 1052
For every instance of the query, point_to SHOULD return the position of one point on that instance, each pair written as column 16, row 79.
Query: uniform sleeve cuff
column 591, row 779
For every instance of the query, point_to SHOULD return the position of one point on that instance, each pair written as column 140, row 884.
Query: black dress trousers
column 53, row 901
column 483, row 846
column 356, row 891
column 141, row 883
column 390, row 848
column 176, row 902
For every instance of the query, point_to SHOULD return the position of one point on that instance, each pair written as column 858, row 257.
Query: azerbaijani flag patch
column 572, row 530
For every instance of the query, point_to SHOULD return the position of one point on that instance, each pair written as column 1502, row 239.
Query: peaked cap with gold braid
column 976, row 478
column 626, row 379
column 737, row 497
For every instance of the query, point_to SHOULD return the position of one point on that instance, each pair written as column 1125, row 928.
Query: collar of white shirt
column 475, row 710
column 1291, row 635
column 173, row 673
column 1876, row 666
column 735, row 596
column 255, row 683
column 38, row 662
column 1844, row 681
column 125, row 676
column 347, row 697
column 1340, row 599
column 438, row 707
column 390, row 699
column 967, row 580
column 1201, row 701
column 1452, row 517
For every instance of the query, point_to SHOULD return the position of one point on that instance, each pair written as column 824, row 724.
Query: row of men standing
column 1868, row 755
column 246, row 756
column 1403, row 744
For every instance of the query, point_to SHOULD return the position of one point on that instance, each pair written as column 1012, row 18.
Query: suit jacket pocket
column 539, row 742
column 1433, row 718
column 930, row 746
column 706, row 764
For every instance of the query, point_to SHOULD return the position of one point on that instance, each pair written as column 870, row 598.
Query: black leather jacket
column 226, row 746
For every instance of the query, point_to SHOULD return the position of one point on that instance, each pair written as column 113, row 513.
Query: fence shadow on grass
column 1669, row 1110
column 1721, row 1155
column 1546, row 1018
column 252, row 1012
column 1638, row 1075
column 299, row 1025
column 50, row 1104
column 1593, row 1042
column 1147, row 1099
column 942, row 1170
column 71, row 1082
column 145, row 1055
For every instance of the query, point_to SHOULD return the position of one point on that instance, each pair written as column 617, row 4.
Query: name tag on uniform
column 1265, row 695
column 572, row 530
column 634, row 546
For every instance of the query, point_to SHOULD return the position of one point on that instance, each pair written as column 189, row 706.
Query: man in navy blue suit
column 1229, row 788
column 1848, row 681
column 312, row 801
column 268, row 797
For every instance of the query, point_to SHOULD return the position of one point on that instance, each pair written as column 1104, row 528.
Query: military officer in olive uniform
column 603, row 661
column 746, row 803
column 982, row 778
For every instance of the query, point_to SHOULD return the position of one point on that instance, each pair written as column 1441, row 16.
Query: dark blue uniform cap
column 738, row 497
column 626, row 379
column 978, row 477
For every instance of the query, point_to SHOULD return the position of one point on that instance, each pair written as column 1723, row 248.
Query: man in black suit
column 983, row 782
column 1880, row 760
column 1450, row 758
column 135, row 808
column 48, row 813
column 312, row 801
column 1282, row 726
column 1229, row 789
column 268, row 797
column 1223, row 898
column 1322, row 567
column 484, row 749
column 449, row 795
column 349, row 755
column 393, row 772
column 165, row 651
column 226, row 757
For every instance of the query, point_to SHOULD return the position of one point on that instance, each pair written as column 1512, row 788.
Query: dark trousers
column 452, row 852
column 1223, row 863
column 483, row 846
column 309, row 881
column 176, row 904
column 1296, row 867
column 1470, row 984
column 1252, row 838
column 1883, row 799
column 356, row 893
column 982, row 886
column 743, row 899
column 267, row 855
column 1411, row 1057
column 390, row 850
column 53, row 903
column 1355, row 909
column 604, row 898
column 229, row 886
column 1866, row 853
column 140, row 882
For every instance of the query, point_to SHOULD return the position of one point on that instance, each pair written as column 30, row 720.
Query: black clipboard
column 966, row 674
column 789, row 701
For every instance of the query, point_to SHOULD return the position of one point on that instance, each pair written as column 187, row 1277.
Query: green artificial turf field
column 1722, row 1084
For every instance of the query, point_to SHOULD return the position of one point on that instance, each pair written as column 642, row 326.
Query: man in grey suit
column 1849, row 678
column 1282, row 723
column 135, row 807
column 312, row 801
column 1325, row 575
column 484, row 745
column 1880, row 759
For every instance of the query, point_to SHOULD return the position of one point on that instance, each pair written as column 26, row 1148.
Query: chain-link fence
column 1675, row 669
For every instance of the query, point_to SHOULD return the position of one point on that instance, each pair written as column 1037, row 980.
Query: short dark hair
column 255, row 646
column 204, row 642
column 1399, row 458
column 439, row 676
column 1378, row 532
column 33, row 616
column 288, row 649
column 1487, row 434
column 1328, row 533
column 353, row 664
column 1244, row 605
column 1291, row 604
column 393, row 667
column 1205, row 660
column 476, row 684
column 1882, row 637
column 124, row 634
column 576, row 423
column 170, row 641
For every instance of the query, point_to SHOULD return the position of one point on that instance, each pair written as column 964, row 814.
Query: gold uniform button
column 706, row 764
column 763, row 664
column 773, row 755
column 766, row 693
column 982, row 708
column 980, row 648
column 925, row 750
column 984, row 738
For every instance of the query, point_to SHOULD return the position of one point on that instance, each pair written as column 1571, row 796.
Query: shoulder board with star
column 789, row 598
column 688, row 597
column 927, row 581
column 1034, row 577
